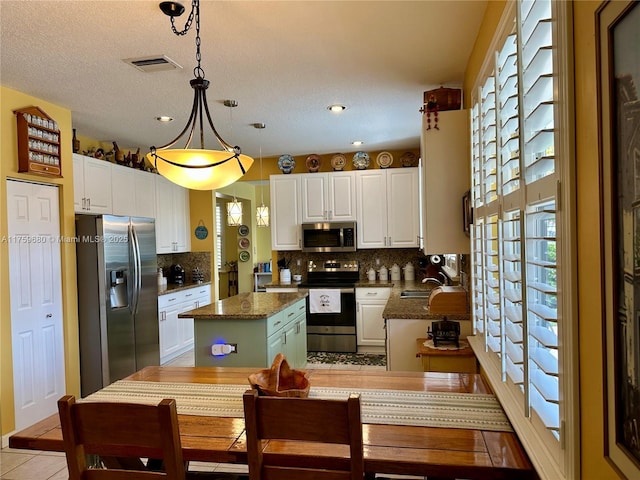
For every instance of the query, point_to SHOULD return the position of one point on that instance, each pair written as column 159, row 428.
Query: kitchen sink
column 415, row 293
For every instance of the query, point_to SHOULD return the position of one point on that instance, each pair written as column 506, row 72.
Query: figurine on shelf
column 99, row 154
column 135, row 159
column 119, row 154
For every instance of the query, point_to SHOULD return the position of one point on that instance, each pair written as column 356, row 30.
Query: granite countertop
column 414, row 308
column 396, row 307
column 246, row 306
column 172, row 287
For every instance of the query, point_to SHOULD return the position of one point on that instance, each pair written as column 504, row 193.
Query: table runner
column 386, row 407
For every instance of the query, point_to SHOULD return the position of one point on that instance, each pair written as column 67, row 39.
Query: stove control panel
column 333, row 266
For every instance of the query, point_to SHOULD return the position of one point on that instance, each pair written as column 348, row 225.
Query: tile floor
column 34, row 465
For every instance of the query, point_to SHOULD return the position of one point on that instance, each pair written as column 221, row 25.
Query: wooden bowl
column 280, row 380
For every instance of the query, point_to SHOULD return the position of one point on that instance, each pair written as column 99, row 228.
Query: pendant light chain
column 197, row 168
column 261, row 186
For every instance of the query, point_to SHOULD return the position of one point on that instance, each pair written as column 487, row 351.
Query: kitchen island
column 249, row 329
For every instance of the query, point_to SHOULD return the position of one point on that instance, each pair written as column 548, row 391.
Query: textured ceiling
column 283, row 62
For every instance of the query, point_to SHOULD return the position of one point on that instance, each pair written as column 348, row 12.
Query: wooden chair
column 120, row 434
column 303, row 420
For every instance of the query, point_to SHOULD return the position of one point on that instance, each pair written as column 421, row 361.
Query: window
column 219, row 235
column 521, row 251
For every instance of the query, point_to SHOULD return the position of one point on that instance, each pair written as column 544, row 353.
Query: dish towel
column 324, row 301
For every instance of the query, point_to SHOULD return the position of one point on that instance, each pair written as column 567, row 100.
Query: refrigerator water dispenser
column 118, row 291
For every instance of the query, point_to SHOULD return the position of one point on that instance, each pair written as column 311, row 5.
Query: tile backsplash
column 297, row 261
column 188, row 261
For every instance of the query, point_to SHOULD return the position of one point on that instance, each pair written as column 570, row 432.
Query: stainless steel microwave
column 329, row 237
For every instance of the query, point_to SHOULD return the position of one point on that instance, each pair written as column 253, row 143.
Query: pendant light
column 262, row 212
column 234, row 213
column 197, row 168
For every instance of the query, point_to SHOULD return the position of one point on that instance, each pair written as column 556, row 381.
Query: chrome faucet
column 437, row 281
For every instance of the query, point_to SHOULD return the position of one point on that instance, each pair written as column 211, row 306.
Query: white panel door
column 285, row 212
column 371, row 187
column 342, row 196
column 403, row 208
column 124, row 192
column 36, row 300
column 145, row 190
column 314, row 197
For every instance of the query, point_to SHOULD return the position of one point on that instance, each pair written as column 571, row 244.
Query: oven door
column 333, row 332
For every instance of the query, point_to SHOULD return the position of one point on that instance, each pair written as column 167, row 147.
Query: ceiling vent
column 155, row 63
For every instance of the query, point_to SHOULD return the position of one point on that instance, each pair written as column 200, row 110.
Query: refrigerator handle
column 137, row 269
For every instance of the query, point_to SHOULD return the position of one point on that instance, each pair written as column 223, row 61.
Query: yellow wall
column 589, row 220
column 593, row 462
column 270, row 164
column 489, row 23
column 9, row 101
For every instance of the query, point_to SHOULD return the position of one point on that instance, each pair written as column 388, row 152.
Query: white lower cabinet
column 168, row 309
column 176, row 334
column 370, row 327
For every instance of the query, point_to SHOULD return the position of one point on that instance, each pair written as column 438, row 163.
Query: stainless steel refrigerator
column 117, row 298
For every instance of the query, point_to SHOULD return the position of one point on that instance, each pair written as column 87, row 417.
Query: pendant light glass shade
column 197, row 168
column 262, row 212
column 262, row 216
column 234, row 213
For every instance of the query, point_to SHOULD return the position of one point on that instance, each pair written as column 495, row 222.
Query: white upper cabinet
column 145, row 186
column 445, row 179
column 388, row 204
column 91, row 185
column 172, row 217
column 328, row 197
column 285, row 212
column 135, row 192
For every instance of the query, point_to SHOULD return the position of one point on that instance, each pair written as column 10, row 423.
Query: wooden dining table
column 433, row 452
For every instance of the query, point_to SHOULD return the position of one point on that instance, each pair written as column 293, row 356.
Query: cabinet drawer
column 169, row 299
column 373, row 293
column 292, row 312
column 275, row 323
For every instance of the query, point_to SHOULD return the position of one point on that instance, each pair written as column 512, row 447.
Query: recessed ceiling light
column 336, row 108
column 164, row 118
column 357, row 143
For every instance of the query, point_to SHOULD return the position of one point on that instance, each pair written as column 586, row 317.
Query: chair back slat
column 116, row 432
column 307, row 420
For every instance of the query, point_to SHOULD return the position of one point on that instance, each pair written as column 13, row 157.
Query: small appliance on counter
column 445, row 331
column 448, row 300
column 197, row 275
column 176, row 274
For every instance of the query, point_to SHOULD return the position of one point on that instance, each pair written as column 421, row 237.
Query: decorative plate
column 243, row 230
column 286, row 163
column 384, row 159
column 201, row 231
column 408, row 159
column 244, row 243
column 313, row 163
column 338, row 161
column 244, row 256
column 361, row 160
